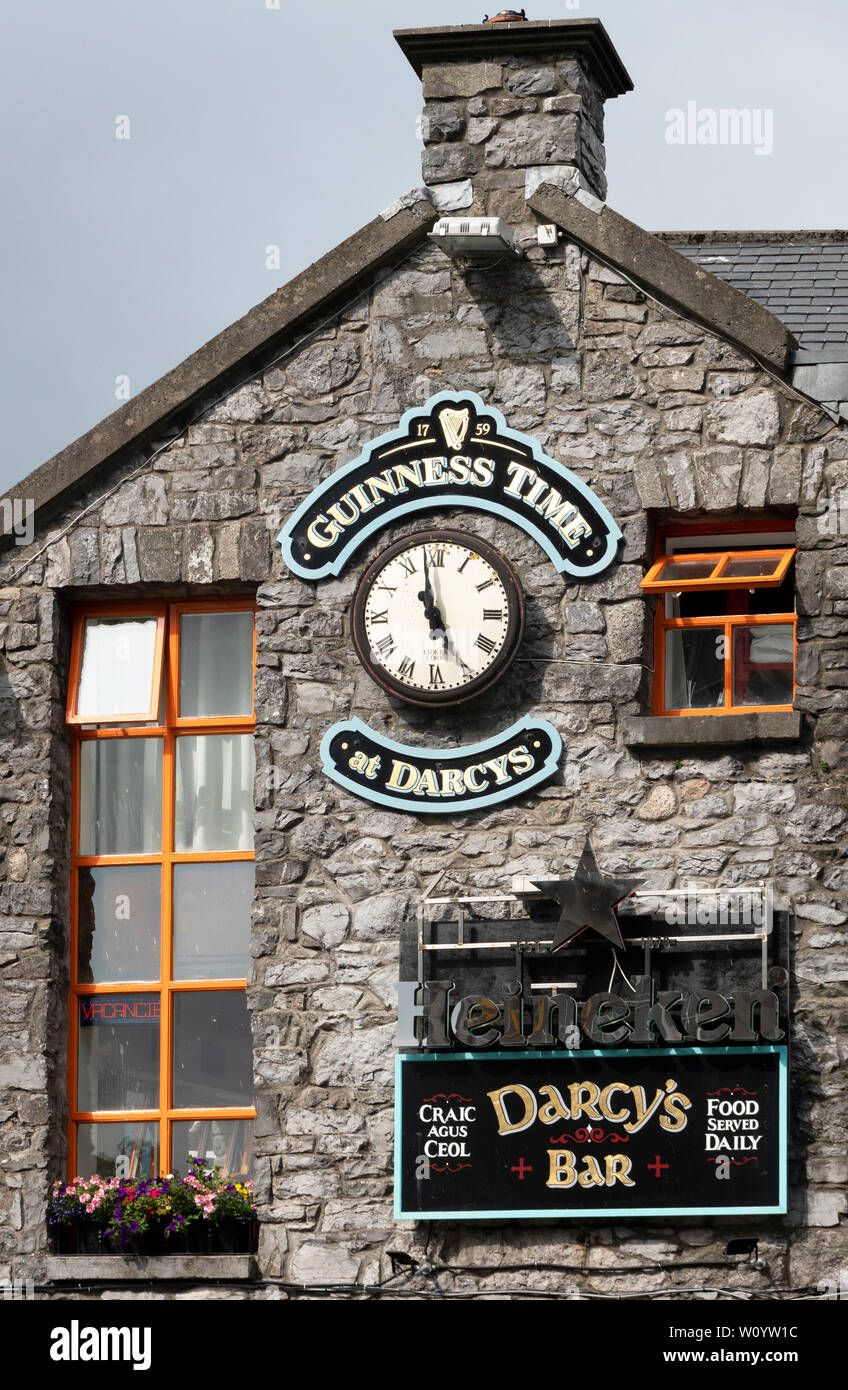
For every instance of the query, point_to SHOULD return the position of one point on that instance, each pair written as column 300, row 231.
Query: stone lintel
column 670, row 276
column 699, row 730
column 474, row 43
column 218, row 363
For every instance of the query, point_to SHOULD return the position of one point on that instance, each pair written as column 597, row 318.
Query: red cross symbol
column 522, row 1169
column 656, row 1166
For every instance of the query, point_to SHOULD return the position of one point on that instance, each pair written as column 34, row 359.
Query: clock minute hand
column 428, row 598
column 448, row 642
column 452, row 650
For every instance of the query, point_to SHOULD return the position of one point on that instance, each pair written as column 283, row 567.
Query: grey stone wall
column 663, row 420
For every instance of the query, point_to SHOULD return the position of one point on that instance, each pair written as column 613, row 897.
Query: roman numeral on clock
column 437, row 559
column 386, row 646
column 490, row 615
column 435, row 678
column 487, row 584
column 407, row 564
column 406, row 669
column 485, row 644
column 379, row 617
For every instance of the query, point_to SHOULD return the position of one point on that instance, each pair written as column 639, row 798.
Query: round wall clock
column 438, row 617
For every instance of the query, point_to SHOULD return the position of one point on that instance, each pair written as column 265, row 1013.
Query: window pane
column 119, row 920
column 226, row 1144
column 118, row 1150
column 688, row 569
column 118, row 1052
column 212, row 920
column 216, row 664
column 764, row 664
column 740, row 568
column 116, row 675
column 694, row 668
column 121, row 796
column 214, row 809
column 213, row 1061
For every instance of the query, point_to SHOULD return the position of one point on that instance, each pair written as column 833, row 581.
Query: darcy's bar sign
column 623, row 1133
column 455, row 451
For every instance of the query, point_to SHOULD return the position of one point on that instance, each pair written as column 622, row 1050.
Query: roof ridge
column 716, row 238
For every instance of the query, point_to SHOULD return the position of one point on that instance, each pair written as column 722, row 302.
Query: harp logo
column 454, row 452
column 454, row 425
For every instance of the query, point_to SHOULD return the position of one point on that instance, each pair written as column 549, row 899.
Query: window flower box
column 199, row 1213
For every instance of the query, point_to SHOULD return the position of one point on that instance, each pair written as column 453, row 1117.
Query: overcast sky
column 252, row 126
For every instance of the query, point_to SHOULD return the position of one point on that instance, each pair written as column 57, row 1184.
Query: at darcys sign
column 653, row 1133
column 436, row 780
column 455, row 451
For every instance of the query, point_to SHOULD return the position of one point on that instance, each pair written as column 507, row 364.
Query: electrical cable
column 805, row 1293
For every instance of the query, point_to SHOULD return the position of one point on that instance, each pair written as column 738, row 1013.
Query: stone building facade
column 667, row 393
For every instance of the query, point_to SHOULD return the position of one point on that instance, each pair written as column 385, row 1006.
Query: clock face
column 438, row 617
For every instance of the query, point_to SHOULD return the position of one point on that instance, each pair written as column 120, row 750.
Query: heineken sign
column 455, row 451
column 611, row 1134
column 445, row 1019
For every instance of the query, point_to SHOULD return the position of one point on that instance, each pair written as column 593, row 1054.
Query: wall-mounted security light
column 475, row 238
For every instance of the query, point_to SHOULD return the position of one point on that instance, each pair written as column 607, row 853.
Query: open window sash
column 116, row 665
column 730, row 569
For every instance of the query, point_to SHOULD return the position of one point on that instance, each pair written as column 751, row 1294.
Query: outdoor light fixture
column 474, row 238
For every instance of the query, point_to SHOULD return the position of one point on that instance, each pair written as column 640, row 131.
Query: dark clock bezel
column 515, row 622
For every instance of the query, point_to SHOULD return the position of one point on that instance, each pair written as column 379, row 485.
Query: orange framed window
column 162, row 866
column 724, row 636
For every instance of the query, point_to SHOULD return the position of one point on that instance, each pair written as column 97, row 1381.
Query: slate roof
column 802, row 277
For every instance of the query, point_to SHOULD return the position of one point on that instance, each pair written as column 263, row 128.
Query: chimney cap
column 471, row 42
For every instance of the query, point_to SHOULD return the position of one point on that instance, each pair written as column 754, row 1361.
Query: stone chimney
column 507, row 105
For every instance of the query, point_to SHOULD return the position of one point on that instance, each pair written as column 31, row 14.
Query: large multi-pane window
column 160, row 706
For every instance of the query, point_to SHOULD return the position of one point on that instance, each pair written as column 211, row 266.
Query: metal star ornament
column 587, row 901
